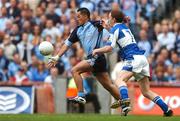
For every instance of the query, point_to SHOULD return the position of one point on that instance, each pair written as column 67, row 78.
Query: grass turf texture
column 84, row 117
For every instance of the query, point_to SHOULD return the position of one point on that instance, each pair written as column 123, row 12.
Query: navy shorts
column 98, row 63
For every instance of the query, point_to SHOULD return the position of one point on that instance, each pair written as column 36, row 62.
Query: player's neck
column 85, row 22
column 116, row 24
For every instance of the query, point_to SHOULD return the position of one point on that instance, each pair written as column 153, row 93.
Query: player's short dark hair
column 84, row 11
column 117, row 15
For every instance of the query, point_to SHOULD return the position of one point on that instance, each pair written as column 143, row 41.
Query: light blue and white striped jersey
column 89, row 36
column 121, row 36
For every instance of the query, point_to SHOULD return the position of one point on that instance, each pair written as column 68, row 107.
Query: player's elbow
column 109, row 49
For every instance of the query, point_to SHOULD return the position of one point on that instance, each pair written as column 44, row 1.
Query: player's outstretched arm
column 53, row 60
column 102, row 50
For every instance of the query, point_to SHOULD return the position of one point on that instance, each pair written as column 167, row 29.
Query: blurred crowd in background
column 25, row 23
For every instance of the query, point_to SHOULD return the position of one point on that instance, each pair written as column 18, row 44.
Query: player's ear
column 86, row 16
column 114, row 20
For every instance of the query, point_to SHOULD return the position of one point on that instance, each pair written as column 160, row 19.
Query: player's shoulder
column 75, row 30
column 114, row 28
column 96, row 23
column 119, row 26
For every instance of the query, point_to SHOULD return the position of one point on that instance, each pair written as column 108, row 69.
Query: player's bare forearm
column 63, row 49
column 102, row 50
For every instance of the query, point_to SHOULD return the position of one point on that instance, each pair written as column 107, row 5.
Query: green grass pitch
column 84, row 117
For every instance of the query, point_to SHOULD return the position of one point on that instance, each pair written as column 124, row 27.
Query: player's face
column 81, row 18
column 111, row 21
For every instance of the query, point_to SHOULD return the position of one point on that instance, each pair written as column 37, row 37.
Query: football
column 46, row 48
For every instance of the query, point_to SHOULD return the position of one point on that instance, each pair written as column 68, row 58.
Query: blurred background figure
column 9, row 47
column 144, row 43
column 25, row 49
column 177, row 73
column 14, row 65
column 51, row 30
column 40, row 73
column 166, row 38
column 51, row 78
column 20, row 77
column 3, row 19
column 15, row 34
column 4, row 62
column 159, row 75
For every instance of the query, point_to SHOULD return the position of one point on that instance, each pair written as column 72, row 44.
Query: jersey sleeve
column 72, row 38
column 113, row 38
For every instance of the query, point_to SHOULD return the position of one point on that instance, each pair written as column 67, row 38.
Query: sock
column 161, row 103
column 81, row 94
column 123, row 90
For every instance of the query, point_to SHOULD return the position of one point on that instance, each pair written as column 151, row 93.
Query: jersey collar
column 116, row 24
column 83, row 25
